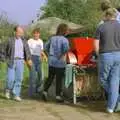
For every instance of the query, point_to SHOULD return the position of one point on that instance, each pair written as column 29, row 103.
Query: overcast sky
column 21, row 11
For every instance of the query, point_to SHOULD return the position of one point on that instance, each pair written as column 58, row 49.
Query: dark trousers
column 58, row 74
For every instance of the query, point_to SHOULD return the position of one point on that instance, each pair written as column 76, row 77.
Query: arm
column 27, row 51
column 43, row 55
column 96, row 46
column 97, row 41
column 47, row 47
column 27, row 55
column 65, row 46
column 118, row 17
column 64, row 50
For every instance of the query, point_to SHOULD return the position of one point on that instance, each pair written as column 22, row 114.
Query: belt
column 18, row 58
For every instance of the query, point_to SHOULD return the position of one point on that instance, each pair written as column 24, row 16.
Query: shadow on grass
column 83, row 104
column 94, row 106
column 2, row 97
column 2, row 91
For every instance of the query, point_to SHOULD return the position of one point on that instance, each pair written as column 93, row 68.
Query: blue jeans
column 35, row 76
column 109, row 74
column 15, row 76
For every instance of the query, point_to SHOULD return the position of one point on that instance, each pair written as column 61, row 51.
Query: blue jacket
column 56, row 47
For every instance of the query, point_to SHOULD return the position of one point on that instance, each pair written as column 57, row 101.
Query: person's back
column 107, row 46
column 110, row 36
column 58, row 46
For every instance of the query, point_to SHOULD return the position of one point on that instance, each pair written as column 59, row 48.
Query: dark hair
column 15, row 28
column 36, row 30
column 105, row 5
column 62, row 29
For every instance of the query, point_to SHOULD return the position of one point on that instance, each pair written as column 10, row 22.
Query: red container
column 83, row 48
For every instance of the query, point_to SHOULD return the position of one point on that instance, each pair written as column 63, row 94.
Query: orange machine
column 81, row 58
column 82, row 48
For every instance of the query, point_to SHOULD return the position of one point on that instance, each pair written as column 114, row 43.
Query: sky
column 21, row 11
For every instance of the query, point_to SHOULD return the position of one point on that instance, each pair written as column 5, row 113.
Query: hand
column 29, row 63
column 44, row 57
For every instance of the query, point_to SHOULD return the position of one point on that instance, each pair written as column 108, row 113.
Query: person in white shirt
column 36, row 49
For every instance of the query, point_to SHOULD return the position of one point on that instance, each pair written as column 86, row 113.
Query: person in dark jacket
column 15, row 51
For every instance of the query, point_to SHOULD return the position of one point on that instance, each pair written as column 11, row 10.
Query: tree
column 6, row 27
column 115, row 3
column 85, row 12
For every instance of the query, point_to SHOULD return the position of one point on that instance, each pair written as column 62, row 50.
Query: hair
column 62, row 29
column 36, row 30
column 16, row 27
column 112, row 12
column 105, row 5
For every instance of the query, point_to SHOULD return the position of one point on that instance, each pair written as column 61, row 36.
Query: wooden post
column 74, row 87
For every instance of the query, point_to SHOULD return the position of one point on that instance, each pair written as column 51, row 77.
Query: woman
column 36, row 48
column 56, row 48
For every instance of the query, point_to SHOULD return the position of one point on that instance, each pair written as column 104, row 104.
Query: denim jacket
column 56, row 47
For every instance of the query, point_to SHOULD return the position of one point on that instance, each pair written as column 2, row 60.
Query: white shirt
column 36, row 46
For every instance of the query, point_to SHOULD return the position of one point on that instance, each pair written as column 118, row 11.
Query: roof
column 50, row 24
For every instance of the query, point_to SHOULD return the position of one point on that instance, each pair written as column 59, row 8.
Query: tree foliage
column 6, row 27
column 85, row 12
column 115, row 3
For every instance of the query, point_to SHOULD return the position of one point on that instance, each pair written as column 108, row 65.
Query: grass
column 25, row 83
column 3, row 72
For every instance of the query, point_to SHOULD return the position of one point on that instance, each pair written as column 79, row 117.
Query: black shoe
column 44, row 96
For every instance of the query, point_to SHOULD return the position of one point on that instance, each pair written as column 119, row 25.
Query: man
column 16, row 51
column 36, row 48
column 107, row 45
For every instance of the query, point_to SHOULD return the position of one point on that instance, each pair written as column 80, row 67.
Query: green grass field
column 3, row 77
column 3, row 70
column 25, row 83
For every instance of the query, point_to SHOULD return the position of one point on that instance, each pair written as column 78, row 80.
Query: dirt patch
column 36, row 110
